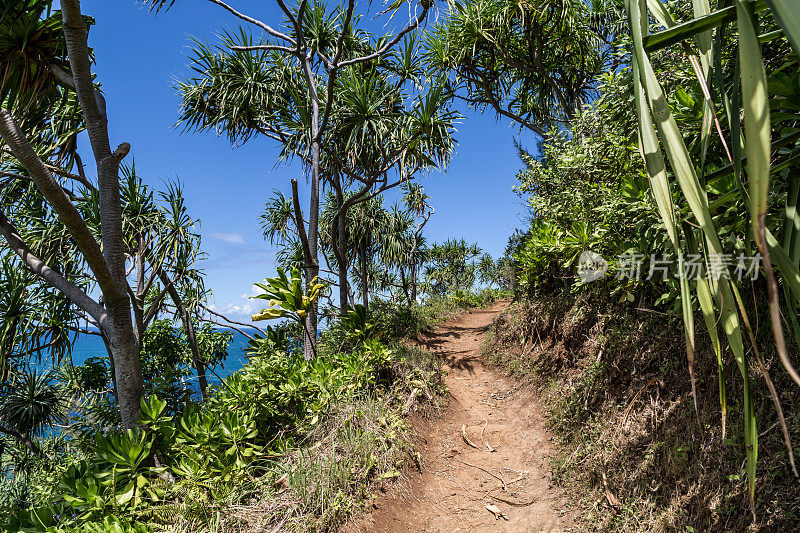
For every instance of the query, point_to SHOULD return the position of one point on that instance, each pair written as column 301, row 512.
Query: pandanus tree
column 451, row 266
column 31, row 403
column 396, row 249
column 389, row 147
column 283, row 85
column 72, row 234
column 416, row 202
column 289, row 84
column 164, row 248
column 43, row 80
column 535, row 63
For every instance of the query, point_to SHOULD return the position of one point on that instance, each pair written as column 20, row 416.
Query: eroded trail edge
column 484, row 459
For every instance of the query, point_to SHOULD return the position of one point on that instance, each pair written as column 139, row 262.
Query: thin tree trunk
column 191, row 337
column 414, row 255
column 364, row 278
column 413, row 276
column 309, row 342
column 342, row 266
column 312, row 264
column 111, row 366
column 404, row 281
column 137, row 299
column 199, row 364
column 340, row 244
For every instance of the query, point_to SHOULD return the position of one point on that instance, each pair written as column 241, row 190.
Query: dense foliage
column 689, row 201
column 282, row 423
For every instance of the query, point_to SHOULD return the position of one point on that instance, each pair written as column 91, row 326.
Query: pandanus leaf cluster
column 287, row 297
column 737, row 111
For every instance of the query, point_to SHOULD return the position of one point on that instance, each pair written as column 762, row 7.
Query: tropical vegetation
column 662, row 182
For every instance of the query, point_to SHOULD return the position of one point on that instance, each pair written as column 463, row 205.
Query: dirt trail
column 457, row 480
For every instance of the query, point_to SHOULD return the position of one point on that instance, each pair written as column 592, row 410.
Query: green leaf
column 787, row 14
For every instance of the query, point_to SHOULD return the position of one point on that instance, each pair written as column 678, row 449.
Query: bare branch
column 230, row 321
column 333, row 67
column 255, row 22
column 268, row 47
column 62, row 76
column 301, row 228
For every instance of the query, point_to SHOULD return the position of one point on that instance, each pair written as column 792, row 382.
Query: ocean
column 87, row 346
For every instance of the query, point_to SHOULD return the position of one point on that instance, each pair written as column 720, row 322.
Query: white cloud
column 232, row 238
column 257, row 291
column 244, row 309
column 237, row 311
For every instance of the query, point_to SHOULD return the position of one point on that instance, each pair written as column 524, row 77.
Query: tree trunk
column 124, row 346
column 312, row 264
column 404, row 282
column 413, row 275
column 137, row 300
column 362, row 254
column 197, row 357
column 340, row 235
column 191, row 337
column 342, row 267
column 127, row 367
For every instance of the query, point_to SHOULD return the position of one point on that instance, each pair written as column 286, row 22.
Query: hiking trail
column 490, row 436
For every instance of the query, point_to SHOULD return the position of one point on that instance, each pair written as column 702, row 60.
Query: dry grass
column 359, row 447
column 634, row 457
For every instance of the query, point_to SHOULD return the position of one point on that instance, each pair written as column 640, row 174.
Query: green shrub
column 216, row 454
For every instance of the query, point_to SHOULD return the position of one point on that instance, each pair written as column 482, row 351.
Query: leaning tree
column 50, row 67
column 71, row 235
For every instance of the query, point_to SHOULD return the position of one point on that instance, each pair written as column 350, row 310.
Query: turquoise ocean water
column 87, row 346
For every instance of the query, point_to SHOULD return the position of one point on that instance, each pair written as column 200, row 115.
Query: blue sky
column 139, row 55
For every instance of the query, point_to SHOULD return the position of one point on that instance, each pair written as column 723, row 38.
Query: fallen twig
column 509, row 502
column 488, row 446
column 488, row 472
column 464, row 435
column 498, row 514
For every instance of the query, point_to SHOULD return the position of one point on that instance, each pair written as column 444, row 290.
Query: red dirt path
column 458, row 481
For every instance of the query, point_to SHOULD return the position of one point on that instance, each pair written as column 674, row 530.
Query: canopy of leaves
column 535, row 62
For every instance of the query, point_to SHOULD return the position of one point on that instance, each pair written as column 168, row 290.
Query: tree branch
column 229, row 321
column 269, row 47
column 333, row 67
column 301, row 228
column 61, row 204
column 23, row 439
column 255, row 22
column 53, row 277
column 411, row 26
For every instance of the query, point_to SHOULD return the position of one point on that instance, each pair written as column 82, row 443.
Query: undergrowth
column 282, row 444
column 632, row 454
column 402, row 320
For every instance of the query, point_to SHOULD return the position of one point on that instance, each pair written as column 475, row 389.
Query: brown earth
column 486, row 454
